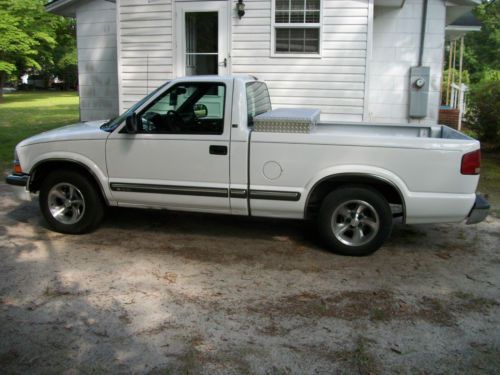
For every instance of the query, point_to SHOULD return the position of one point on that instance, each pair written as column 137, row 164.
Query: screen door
column 202, row 36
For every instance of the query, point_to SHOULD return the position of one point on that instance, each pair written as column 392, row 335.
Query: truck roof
column 242, row 78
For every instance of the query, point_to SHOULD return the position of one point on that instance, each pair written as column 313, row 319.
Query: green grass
column 490, row 180
column 24, row 114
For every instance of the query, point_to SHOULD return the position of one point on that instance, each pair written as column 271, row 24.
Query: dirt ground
column 155, row 292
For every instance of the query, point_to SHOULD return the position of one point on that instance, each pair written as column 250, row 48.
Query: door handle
column 223, row 63
column 217, row 150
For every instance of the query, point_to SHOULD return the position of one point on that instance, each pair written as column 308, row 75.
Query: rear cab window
column 258, row 100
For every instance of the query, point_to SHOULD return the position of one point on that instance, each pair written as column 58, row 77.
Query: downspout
column 422, row 32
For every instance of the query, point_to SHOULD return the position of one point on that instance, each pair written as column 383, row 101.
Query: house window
column 297, row 26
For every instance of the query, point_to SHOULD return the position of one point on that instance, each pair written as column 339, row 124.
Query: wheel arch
column 326, row 184
column 42, row 168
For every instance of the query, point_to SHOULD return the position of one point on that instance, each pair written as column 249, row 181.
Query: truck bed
column 388, row 130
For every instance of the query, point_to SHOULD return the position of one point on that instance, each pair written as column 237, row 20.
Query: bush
column 484, row 111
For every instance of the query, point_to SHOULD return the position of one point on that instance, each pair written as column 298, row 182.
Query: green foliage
column 29, row 36
column 484, row 111
column 482, row 52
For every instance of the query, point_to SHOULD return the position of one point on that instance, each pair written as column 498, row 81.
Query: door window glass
column 187, row 108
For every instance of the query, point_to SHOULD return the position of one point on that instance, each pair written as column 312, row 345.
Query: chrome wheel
column 66, row 203
column 355, row 223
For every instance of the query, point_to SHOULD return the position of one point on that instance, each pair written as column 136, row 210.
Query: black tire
column 76, row 217
column 356, row 235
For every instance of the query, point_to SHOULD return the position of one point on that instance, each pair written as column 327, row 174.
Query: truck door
column 179, row 156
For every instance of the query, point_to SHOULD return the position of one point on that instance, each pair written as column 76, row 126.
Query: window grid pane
column 297, row 40
column 297, row 11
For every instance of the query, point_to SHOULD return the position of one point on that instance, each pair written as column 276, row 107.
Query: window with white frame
column 297, row 26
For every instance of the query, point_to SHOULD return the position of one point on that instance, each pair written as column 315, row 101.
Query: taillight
column 471, row 163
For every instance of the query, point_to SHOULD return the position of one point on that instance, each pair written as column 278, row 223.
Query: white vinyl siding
column 145, row 47
column 333, row 82
column 97, row 67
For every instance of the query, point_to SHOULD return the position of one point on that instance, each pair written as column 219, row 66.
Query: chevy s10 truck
column 213, row 144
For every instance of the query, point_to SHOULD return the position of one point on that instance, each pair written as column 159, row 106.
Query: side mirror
column 200, row 110
column 132, row 123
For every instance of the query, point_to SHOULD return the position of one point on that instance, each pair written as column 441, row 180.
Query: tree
column 482, row 52
column 27, row 37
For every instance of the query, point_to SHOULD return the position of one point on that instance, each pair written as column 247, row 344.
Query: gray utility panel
column 419, row 91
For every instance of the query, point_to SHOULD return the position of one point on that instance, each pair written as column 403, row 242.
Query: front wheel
column 70, row 203
column 355, row 220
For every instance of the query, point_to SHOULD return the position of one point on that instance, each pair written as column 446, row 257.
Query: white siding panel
column 344, row 4
column 312, row 77
column 150, row 8
column 289, row 62
column 318, row 85
column 151, row 54
column 346, row 12
column 98, row 16
column 146, row 39
column 97, row 65
column 143, row 61
column 146, row 25
column 312, row 93
column 150, row 69
column 146, row 47
column 164, row 29
column 343, row 69
column 147, row 3
column 136, row 16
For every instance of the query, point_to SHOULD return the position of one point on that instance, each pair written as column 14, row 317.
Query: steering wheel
column 174, row 119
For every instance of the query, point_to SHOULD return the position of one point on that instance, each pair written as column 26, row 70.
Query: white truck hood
column 76, row 132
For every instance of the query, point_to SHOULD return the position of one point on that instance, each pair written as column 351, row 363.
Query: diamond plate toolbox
column 285, row 120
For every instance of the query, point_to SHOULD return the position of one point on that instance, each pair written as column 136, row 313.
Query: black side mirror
column 132, row 123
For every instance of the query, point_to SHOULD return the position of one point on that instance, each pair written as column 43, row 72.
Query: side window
column 186, row 108
column 258, row 100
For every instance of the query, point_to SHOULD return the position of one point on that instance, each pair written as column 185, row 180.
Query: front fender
column 96, row 168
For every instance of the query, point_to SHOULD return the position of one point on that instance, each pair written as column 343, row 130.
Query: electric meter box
column 419, row 91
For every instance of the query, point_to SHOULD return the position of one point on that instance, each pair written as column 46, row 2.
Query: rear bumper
column 479, row 210
column 19, row 184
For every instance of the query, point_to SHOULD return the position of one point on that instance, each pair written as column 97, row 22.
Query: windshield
column 113, row 123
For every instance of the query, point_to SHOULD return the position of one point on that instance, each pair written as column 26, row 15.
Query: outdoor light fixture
column 240, row 7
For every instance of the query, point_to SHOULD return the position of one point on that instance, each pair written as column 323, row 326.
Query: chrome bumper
column 479, row 210
column 19, row 184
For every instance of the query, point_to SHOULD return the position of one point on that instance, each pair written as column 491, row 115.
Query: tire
column 354, row 220
column 70, row 203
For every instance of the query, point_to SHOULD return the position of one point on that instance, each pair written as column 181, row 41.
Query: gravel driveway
column 172, row 293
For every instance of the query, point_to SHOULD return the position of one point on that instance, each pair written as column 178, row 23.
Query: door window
column 187, row 108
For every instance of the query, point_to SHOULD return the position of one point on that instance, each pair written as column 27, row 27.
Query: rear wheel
column 70, row 203
column 354, row 220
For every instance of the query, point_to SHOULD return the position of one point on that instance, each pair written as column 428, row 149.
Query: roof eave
column 62, row 7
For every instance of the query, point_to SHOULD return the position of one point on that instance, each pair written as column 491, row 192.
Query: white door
column 179, row 156
column 202, row 38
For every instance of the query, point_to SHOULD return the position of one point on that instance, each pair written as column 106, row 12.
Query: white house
column 350, row 58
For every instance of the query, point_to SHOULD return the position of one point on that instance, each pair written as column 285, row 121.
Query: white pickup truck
column 213, row 144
